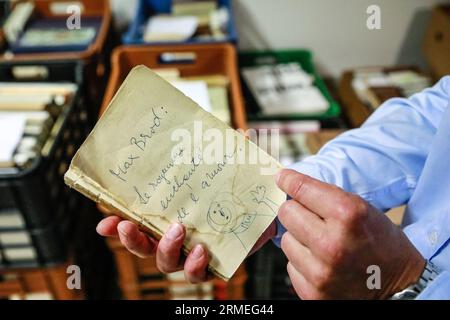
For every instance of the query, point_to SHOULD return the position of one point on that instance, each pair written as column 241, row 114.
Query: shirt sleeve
column 438, row 289
column 382, row 160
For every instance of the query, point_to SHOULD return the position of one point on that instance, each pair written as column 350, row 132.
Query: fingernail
column 197, row 253
column 175, row 231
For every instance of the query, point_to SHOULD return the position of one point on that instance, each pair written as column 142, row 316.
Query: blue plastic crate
column 147, row 8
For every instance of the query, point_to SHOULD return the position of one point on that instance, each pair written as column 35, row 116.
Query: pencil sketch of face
column 223, row 212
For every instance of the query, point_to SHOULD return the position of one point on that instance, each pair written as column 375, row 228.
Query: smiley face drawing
column 224, row 212
column 227, row 215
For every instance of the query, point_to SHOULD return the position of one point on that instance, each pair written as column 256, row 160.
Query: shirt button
column 433, row 237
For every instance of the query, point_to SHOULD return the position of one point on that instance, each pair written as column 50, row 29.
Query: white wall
column 335, row 30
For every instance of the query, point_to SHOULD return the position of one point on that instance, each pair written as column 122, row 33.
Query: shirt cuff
column 438, row 289
column 280, row 231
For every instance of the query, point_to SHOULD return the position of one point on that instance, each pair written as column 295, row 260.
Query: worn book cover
column 155, row 157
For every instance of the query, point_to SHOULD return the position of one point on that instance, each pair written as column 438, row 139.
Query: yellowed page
column 155, row 156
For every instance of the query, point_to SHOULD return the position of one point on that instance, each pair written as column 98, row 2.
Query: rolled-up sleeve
column 382, row 161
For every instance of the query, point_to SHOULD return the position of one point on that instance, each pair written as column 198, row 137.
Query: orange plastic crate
column 210, row 59
column 91, row 8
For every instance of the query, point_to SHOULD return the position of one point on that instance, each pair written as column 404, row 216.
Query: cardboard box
column 436, row 45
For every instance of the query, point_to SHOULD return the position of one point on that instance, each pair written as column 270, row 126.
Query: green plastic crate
column 305, row 59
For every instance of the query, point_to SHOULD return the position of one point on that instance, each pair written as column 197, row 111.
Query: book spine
column 77, row 180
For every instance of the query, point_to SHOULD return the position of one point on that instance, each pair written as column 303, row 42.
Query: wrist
column 430, row 272
column 410, row 275
column 416, row 270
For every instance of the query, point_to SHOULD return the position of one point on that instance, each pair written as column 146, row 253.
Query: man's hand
column 168, row 250
column 169, row 257
column 333, row 236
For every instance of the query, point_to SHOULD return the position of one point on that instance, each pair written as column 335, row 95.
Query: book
column 38, row 106
column 284, row 89
column 17, row 19
column 29, row 96
column 373, row 86
column 57, row 37
column 11, row 131
column 52, row 35
column 155, row 157
column 377, row 95
column 200, row 9
column 162, row 28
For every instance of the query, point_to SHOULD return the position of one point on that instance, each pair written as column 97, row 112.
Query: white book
column 284, row 89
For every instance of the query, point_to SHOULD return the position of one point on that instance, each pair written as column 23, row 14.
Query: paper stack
column 27, row 114
column 284, row 89
column 376, row 85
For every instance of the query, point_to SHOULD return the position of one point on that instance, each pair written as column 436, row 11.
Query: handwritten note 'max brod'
column 156, row 158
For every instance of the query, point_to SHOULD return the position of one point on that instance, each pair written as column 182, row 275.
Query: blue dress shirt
column 400, row 155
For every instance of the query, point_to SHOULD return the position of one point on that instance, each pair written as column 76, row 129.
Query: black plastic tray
column 50, row 244
column 38, row 193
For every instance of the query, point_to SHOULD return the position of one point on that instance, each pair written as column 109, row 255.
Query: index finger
column 319, row 197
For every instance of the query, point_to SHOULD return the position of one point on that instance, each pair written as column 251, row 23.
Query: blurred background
column 311, row 69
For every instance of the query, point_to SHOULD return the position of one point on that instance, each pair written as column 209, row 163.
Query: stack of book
column 28, row 112
column 284, row 89
column 376, row 85
column 28, row 31
column 200, row 20
column 38, row 126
